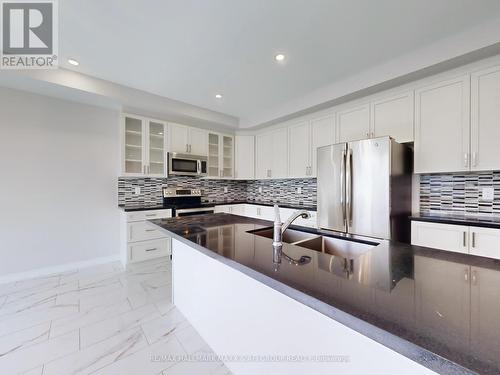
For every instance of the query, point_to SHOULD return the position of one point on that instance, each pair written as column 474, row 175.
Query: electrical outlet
column 137, row 190
column 225, row 189
column 488, row 194
column 260, row 189
column 299, row 190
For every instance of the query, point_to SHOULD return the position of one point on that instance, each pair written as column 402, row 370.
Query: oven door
column 193, row 211
column 186, row 165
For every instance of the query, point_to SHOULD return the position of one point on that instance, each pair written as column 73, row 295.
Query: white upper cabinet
column 156, row 150
column 299, row 150
column 133, row 162
column 279, row 165
column 263, row 155
column 220, row 155
column 322, row 134
column 143, row 146
column 271, row 154
column 353, row 123
column 393, row 116
column 442, row 126
column 244, row 161
column 198, row 141
column 485, row 119
column 179, row 138
column 187, row 140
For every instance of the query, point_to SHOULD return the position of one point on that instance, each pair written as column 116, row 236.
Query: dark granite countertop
column 146, row 207
column 470, row 220
column 423, row 303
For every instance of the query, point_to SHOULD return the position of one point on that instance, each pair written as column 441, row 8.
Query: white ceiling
column 189, row 50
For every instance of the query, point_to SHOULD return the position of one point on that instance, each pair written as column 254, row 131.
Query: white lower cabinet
column 144, row 250
column 440, row 236
column 266, row 213
column 459, row 238
column 485, row 242
column 142, row 240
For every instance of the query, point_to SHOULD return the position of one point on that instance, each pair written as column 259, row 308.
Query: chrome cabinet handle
column 198, row 166
column 187, row 148
column 466, row 159
column 152, row 249
column 474, row 278
column 464, row 239
column 473, row 239
column 466, row 274
column 150, row 215
column 474, row 159
column 150, row 230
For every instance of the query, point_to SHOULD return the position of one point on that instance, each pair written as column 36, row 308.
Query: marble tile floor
column 100, row 320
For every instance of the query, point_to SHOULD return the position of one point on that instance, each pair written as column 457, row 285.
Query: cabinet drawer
column 148, row 215
column 143, row 230
column 440, row 236
column 148, row 249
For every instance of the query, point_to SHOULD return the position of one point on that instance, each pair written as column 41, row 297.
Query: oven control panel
column 181, row 192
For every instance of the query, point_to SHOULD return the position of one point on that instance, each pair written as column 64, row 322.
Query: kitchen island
column 393, row 307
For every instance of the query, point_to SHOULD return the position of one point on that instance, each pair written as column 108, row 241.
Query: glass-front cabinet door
column 144, row 151
column 227, row 156
column 220, row 155
column 134, row 146
column 156, row 148
column 213, row 155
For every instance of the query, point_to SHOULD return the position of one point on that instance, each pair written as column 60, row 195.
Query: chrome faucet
column 280, row 228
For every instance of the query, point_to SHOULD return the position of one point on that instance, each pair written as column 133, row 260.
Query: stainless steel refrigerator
column 364, row 188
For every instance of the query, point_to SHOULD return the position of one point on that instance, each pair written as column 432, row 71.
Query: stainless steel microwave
column 186, row 165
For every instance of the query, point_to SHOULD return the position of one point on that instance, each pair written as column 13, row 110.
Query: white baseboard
column 41, row 272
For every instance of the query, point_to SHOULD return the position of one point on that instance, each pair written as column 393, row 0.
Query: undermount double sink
column 324, row 244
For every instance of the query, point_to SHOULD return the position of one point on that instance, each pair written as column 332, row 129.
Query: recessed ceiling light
column 73, row 62
column 279, row 57
column 218, row 96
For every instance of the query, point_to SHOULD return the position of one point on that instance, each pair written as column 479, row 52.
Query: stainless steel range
column 185, row 202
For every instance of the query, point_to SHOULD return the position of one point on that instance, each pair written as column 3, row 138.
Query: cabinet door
column 299, row 150
column 322, row 134
column 264, row 154
column 213, row 155
column 485, row 314
column 178, row 138
column 442, row 301
column 198, row 141
column 156, row 148
column 393, row 116
column 244, row 157
column 485, row 119
column 227, row 161
column 353, row 124
column 440, row 236
column 279, row 154
column 485, row 242
column 442, row 126
column 133, row 148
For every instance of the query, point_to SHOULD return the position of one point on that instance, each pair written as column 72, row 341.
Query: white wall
column 58, row 191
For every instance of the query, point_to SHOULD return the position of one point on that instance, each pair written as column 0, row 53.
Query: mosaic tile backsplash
column 284, row 191
column 459, row 194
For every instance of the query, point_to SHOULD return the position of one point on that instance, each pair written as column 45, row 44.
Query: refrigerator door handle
column 349, row 186
column 343, row 188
